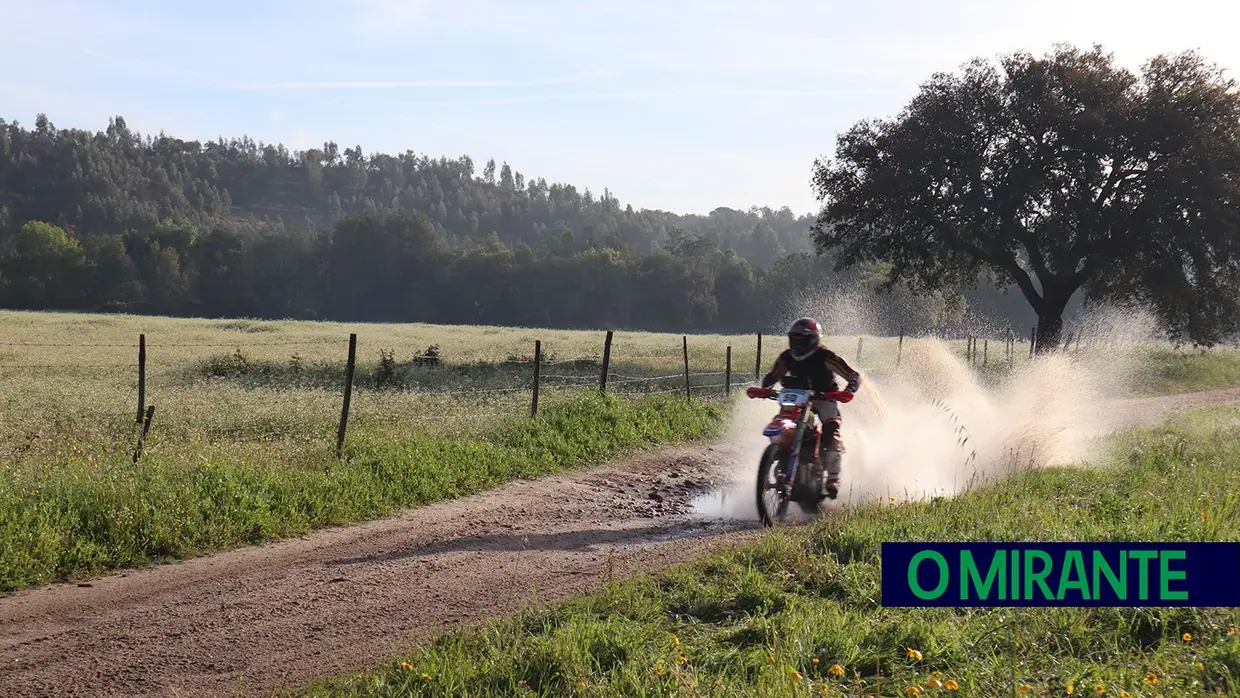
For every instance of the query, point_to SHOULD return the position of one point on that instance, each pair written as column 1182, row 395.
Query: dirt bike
column 794, row 424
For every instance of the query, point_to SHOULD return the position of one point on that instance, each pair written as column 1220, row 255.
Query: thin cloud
column 669, row 94
column 416, row 84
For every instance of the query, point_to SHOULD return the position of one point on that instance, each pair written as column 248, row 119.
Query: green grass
column 1184, row 371
column 85, row 516
column 742, row 622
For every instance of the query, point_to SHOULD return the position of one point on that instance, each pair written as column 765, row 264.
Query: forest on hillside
column 115, row 221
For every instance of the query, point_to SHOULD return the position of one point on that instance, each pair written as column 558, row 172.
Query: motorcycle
column 796, row 436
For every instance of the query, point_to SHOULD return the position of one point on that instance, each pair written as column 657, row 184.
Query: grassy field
column 242, row 447
column 274, row 389
column 1173, row 372
column 71, row 381
column 798, row 614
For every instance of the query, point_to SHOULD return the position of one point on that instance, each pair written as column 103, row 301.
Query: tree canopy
column 115, row 221
column 117, row 180
column 1055, row 175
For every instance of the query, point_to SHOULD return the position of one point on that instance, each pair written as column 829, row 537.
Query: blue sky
column 684, row 105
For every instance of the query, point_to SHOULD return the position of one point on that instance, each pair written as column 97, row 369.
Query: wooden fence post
column 348, row 394
column 141, row 376
column 757, row 362
column 537, row 371
column 900, row 348
column 602, row 380
column 727, row 374
column 146, row 429
column 685, row 340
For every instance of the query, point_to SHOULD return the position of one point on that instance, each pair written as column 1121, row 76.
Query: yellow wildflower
column 675, row 640
column 658, row 668
column 796, row 675
column 1151, row 678
column 770, row 659
column 935, row 683
column 951, row 685
column 1201, row 667
column 1231, row 631
column 913, row 654
column 406, row 665
column 1070, row 688
column 912, row 691
column 1025, row 688
column 1100, row 689
column 814, row 660
column 1188, row 637
column 581, row 685
column 428, row 677
column 1123, row 693
column 836, row 670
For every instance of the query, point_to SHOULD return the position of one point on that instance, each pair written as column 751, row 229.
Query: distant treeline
column 112, row 221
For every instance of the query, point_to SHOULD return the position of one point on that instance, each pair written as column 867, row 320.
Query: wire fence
column 265, row 389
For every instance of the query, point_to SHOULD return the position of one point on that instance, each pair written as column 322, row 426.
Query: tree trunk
column 1050, row 323
column 1049, row 332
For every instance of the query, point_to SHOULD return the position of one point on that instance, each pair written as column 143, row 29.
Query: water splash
column 935, row 426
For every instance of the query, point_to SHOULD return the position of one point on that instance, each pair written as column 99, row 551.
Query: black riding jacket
column 815, row 372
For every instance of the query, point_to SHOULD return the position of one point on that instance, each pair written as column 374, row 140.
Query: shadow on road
column 571, row 540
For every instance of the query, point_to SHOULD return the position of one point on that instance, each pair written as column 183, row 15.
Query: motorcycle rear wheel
column 770, row 482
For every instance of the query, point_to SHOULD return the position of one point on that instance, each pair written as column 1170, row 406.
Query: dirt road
column 272, row 617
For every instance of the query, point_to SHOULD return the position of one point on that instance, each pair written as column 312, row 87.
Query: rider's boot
column 831, row 470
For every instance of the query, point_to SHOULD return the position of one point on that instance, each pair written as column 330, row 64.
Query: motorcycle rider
column 808, row 361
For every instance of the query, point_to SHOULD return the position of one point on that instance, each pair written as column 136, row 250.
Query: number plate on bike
column 793, row 397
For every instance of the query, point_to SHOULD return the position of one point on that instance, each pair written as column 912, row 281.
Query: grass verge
column 798, row 614
column 1185, row 371
column 108, row 514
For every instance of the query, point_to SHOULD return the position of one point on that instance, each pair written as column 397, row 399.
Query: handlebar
column 772, row 394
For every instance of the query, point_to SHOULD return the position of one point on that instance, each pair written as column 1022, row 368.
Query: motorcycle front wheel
column 772, row 492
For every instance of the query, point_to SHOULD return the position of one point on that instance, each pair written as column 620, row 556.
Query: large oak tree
column 1057, row 174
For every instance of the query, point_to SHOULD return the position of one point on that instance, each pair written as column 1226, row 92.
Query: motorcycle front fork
column 792, row 464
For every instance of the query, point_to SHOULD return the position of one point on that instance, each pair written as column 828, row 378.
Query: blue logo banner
column 1060, row 574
